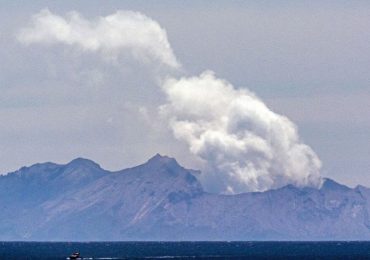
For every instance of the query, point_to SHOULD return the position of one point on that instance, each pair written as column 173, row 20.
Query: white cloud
column 112, row 35
column 245, row 145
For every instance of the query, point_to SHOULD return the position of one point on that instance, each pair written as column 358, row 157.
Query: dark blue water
column 186, row 250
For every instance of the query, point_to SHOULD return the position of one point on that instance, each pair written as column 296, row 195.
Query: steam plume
column 244, row 145
column 123, row 31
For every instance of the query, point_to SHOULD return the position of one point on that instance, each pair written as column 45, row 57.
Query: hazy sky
column 309, row 61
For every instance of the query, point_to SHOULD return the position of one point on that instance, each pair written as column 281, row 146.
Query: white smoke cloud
column 121, row 32
column 245, row 145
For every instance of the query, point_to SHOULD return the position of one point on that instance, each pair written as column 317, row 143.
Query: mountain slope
column 160, row 200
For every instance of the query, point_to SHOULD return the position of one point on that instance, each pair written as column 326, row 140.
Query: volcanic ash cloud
column 244, row 145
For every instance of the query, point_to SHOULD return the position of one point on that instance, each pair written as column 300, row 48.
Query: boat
column 75, row 255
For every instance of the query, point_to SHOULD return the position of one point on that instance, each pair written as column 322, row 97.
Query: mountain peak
column 159, row 160
column 330, row 184
column 83, row 162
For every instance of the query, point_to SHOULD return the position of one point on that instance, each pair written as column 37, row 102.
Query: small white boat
column 75, row 255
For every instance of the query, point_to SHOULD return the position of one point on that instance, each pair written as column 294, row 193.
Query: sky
column 307, row 60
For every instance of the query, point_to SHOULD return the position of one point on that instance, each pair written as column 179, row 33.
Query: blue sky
column 308, row 61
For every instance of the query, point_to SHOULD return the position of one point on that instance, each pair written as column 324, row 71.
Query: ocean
column 186, row 250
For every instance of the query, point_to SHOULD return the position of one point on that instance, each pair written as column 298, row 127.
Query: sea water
column 186, row 250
